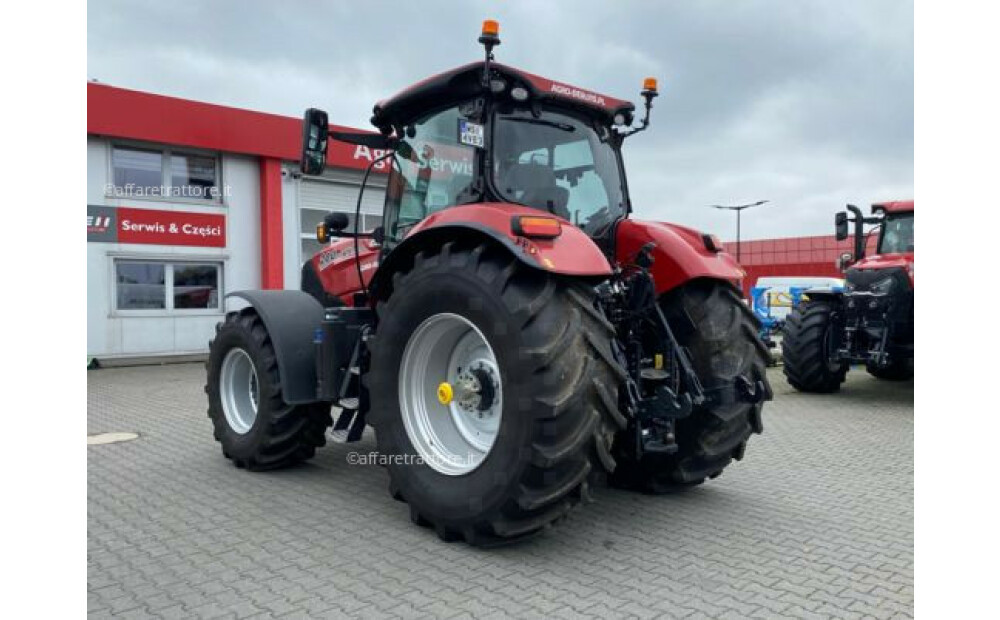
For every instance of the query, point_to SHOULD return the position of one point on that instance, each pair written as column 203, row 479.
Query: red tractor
column 509, row 332
column 871, row 320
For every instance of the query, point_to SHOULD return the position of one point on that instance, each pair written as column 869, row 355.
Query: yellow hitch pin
column 445, row 393
column 658, row 361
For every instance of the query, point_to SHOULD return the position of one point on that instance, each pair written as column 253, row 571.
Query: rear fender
column 291, row 319
column 681, row 254
column 572, row 253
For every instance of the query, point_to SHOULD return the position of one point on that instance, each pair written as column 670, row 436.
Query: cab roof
column 463, row 83
column 897, row 206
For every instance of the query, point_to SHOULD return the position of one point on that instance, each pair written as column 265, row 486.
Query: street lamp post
column 739, row 212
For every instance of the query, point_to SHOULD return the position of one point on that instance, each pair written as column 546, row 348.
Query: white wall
column 111, row 334
column 290, row 239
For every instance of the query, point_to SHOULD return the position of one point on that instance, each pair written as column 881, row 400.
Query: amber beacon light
column 491, row 28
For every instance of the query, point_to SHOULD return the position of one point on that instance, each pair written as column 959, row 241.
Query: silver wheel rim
column 239, row 390
column 453, row 438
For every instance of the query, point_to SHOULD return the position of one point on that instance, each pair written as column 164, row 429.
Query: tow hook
column 742, row 390
column 753, row 392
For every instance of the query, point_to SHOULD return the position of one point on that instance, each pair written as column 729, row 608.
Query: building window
column 196, row 286
column 170, row 286
column 193, row 175
column 141, row 286
column 311, row 217
column 137, row 168
column 164, row 174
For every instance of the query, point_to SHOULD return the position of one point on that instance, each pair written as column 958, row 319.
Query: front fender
column 572, row 253
column 291, row 319
column 680, row 255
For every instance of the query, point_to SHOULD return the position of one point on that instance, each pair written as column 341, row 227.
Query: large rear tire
column 805, row 349
column 546, row 351
column 257, row 429
column 724, row 343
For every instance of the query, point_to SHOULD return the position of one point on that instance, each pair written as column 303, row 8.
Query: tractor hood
column 871, row 266
column 885, row 261
column 680, row 253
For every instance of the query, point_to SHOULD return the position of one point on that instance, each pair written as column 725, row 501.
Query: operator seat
column 537, row 186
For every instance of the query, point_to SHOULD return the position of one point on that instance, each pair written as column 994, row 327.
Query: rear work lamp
column 534, row 226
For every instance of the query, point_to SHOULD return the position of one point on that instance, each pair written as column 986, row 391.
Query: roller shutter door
column 319, row 197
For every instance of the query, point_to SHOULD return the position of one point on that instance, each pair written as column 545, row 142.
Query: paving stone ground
column 815, row 522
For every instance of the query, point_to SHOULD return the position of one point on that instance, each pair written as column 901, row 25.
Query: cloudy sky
column 808, row 104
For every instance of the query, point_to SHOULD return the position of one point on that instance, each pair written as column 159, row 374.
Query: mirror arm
column 648, row 96
column 371, row 140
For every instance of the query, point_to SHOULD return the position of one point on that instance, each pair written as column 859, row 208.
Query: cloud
column 808, row 104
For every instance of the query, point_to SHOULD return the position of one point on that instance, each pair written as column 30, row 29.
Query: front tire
column 556, row 382
column 257, row 429
column 805, row 349
column 724, row 343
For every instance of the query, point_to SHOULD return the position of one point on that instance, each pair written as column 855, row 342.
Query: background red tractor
column 510, row 333
column 871, row 320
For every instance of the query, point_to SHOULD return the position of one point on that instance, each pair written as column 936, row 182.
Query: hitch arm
column 691, row 380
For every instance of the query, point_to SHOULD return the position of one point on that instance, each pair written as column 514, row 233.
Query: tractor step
column 654, row 374
column 339, row 436
column 349, row 403
column 349, row 427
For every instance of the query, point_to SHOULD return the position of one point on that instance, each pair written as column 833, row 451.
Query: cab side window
column 432, row 171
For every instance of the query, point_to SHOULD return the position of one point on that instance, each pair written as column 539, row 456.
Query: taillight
column 535, row 226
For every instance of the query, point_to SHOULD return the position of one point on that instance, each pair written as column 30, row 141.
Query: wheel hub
column 476, row 389
column 450, row 393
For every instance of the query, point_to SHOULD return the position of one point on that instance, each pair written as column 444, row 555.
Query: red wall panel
column 793, row 256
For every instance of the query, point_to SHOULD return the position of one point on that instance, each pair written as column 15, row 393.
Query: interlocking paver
column 816, row 522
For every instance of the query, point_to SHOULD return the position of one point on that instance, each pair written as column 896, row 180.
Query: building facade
column 188, row 201
column 793, row 256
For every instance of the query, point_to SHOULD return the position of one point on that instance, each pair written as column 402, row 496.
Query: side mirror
column 315, row 134
column 840, row 221
column 336, row 221
column 332, row 225
column 844, row 261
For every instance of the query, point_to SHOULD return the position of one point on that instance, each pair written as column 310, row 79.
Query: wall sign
column 148, row 226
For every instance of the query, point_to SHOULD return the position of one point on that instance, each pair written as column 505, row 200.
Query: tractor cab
column 525, row 140
column 893, row 222
column 489, row 133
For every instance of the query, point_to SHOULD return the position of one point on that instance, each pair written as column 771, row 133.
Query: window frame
column 372, row 185
column 495, row 114
column 168, row 284
column 304, row 236
column 166, row 181
column 390, row 211
column 885, row 228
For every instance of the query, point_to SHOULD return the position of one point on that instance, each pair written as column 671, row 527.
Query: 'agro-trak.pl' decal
column 333, row 255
